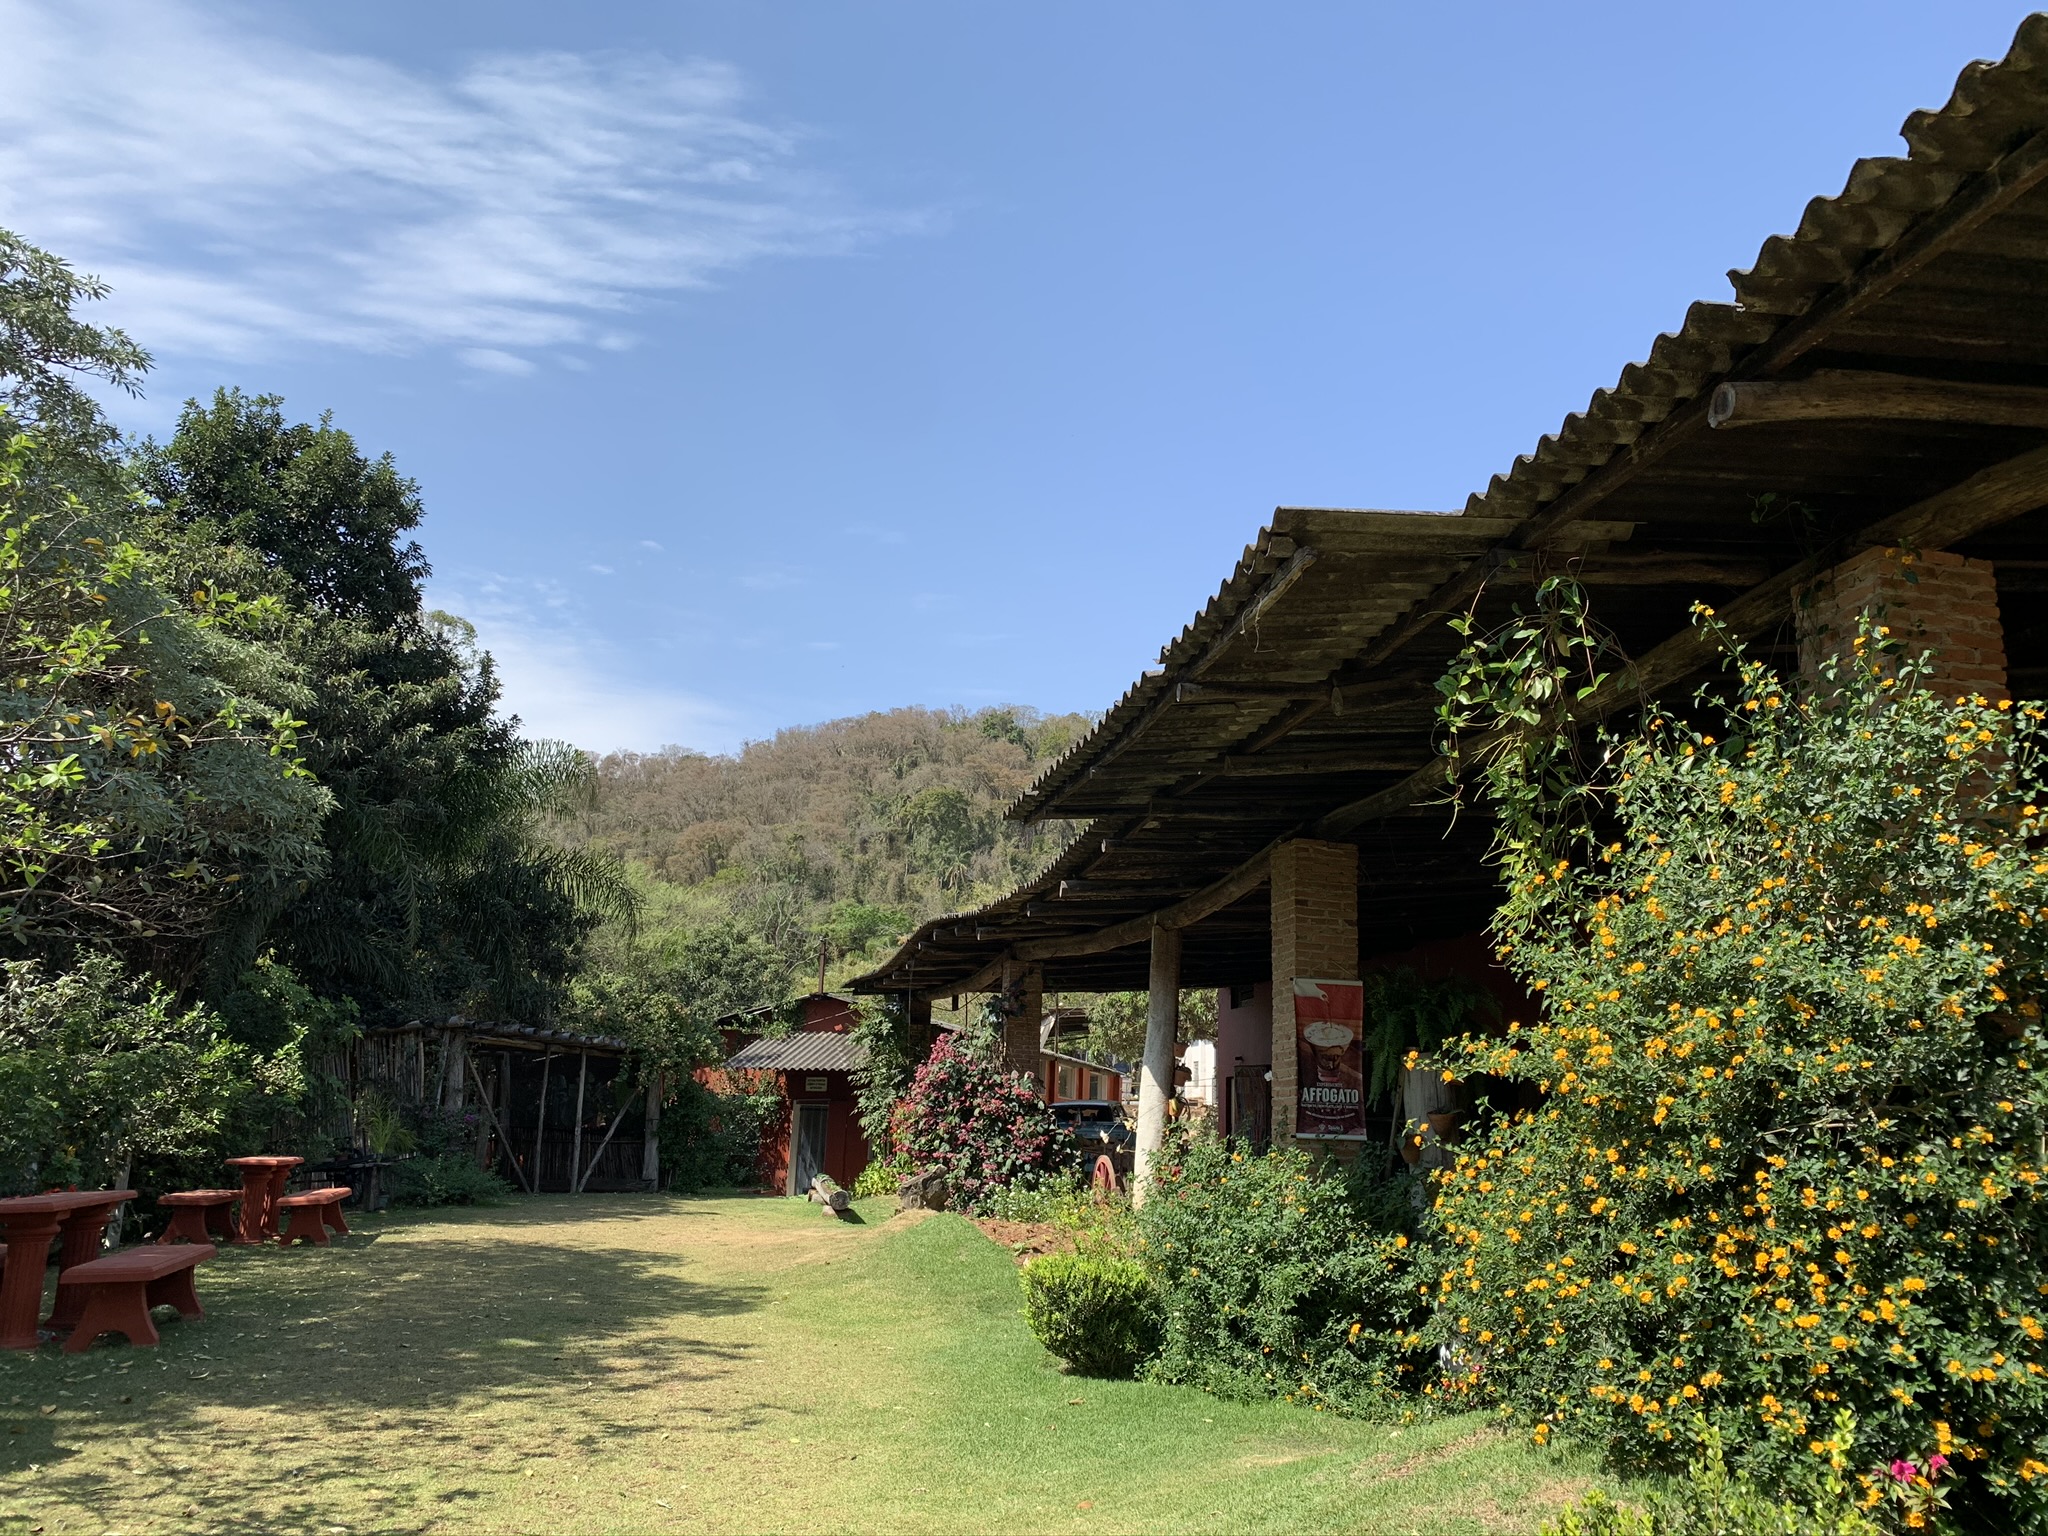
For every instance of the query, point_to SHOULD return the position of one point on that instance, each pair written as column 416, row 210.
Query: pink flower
column 1902, row 1471
column 1937, row 1464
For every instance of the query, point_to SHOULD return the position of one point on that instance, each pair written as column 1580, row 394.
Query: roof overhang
column 1884, row 369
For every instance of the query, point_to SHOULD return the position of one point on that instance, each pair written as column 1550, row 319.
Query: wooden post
column 650, row 1146
column 540, row 1118
column 576, row 1139
column 1155, row 1074
column 505, row 1109
column 617, row 1120
column 503, row 1140
column 452, row 1074
column 441, row 1070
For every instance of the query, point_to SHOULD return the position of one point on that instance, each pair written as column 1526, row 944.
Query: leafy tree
column 1117, row 1022
column 45, row 349
column 300, row 495
column 668, row 1003
column 143, row 793
column 444, row 890
column 99, row 1069
column 883, row 1030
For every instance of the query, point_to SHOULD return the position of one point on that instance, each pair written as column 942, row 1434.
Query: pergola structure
column 1267, row 802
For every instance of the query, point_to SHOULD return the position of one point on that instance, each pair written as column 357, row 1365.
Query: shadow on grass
column 497, row 1318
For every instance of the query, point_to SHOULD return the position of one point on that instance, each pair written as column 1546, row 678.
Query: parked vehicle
column 1099, row 1129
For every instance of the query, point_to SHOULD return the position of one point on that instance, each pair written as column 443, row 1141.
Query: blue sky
column 763, row 364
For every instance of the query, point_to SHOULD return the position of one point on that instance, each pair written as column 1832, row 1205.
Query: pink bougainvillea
column 980, row 1126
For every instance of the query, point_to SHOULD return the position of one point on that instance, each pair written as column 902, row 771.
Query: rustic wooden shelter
column 553, row 1112
column 1266, row 802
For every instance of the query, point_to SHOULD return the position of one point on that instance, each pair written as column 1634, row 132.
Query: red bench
column 121, row 1288
column 311, row 1214
column 199, row 1215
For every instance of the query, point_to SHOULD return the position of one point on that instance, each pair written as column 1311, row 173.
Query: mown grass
column 641, row 1363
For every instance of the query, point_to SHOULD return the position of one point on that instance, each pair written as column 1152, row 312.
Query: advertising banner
column 1329, row 1019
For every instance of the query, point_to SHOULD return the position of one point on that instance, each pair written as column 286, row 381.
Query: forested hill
column 845, row 834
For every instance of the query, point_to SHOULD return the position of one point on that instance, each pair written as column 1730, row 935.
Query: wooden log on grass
column 922, row 1191
column 827, row 1193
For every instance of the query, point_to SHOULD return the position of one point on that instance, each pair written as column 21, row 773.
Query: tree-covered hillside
column 841, row 836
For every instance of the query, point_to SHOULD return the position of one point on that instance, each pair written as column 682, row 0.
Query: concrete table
column 262, row 1184
column 28, row 1223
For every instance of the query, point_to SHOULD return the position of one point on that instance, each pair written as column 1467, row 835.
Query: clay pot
column 1411, row 1150
column 1443, row 1124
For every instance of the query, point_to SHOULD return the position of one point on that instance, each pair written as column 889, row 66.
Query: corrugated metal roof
column 805, row 1051
column 1303, row 691
column 1995, row 108
column 484, row 1030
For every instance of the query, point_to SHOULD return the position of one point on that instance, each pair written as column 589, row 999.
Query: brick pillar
column 1315, row 933
column 1948, row 606
column 918, row 1031
column 1023, row 1000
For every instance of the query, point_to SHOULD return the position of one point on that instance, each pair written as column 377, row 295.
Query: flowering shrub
column 1710, row 1503
column 1273, row 1283
column 1786, row 1172
column 982, row 1127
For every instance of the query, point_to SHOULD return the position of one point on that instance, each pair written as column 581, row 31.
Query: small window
column 1094, row 1085
column 1065, row 1087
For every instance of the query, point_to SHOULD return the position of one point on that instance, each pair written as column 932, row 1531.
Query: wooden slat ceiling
column 1306, row 684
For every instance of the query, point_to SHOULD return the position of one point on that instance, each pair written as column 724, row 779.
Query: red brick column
column 1023, row 999
column 1931, row 600
column 1315, row 933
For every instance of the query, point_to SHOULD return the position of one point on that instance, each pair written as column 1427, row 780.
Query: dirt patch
column 1531, row 1506
column 1388, row 1466
column 1028, row 1239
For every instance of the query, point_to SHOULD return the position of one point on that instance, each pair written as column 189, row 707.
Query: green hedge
column 1277, row 1278
column 1098, row 1314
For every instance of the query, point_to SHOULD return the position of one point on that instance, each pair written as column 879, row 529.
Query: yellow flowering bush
column 1781, row 1168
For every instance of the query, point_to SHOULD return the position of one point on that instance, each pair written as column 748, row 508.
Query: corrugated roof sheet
column 1995, row 108
column 1303, row 690
column 812, row 1051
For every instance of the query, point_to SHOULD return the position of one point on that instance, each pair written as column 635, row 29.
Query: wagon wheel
column 1105, row 1180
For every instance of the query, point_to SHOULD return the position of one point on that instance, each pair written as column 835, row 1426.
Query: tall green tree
column 443, row 892
column 145, row 791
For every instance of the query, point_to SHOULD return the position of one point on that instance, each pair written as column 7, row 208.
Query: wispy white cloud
column 242, row 191
column 569, row 683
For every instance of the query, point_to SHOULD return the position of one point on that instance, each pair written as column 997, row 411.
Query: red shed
column 813, row 1066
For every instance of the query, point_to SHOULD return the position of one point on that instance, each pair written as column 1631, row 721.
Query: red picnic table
column 262, row 1185
column 27, row 1224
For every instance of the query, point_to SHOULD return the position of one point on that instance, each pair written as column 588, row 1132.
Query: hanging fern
column 1405, row 1013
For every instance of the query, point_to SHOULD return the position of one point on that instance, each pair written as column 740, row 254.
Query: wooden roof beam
column 1212, row 898
column 1974, row 205
column 1851, row 395
column 1991, row 496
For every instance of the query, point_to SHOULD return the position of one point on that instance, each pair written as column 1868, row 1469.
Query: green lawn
column 642, row 1363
